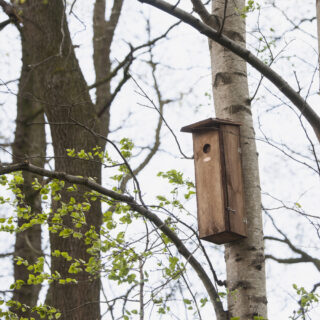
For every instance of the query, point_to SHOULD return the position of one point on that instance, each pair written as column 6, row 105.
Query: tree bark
column 103, row 35
column 245, row 260
column 318, row 32
column 29, row 143
column 63, row 92
column 64, row 95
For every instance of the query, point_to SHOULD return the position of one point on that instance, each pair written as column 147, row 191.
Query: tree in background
column 29, row 142
column 51, row 75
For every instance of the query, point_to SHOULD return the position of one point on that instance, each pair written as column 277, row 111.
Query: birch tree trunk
column 244, row 259
column 318, row 32
column 29, row 143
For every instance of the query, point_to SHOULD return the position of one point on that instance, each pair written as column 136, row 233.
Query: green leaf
column 65, row 233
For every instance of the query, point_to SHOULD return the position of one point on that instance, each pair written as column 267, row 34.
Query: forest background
column 176, row 70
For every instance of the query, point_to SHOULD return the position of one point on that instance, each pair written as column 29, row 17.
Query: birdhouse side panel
column 210, row 197
column 234, row 180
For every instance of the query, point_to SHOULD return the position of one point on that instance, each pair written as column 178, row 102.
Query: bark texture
column 58, row 87
column 318, row 32
column 63, row 92
column 29, row 143
column 102, row 40
column 245, row 258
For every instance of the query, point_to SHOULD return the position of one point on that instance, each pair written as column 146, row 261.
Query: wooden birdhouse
column 219, row 182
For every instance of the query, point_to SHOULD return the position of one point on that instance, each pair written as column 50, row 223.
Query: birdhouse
column 219, row 182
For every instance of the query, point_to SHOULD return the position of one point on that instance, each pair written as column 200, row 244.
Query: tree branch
column 3, row 24
column 125, row 78
column 303, row 255
column 5, row 255
column 115, row 14
column 286, row 260
column 129, row 58
column 91, row 184
column 6, row 7
column 305, row 109
column 204, row 14
column 11, row 12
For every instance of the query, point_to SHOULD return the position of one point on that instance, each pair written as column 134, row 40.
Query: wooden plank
column 210, row 198
column 224, row 181
column 234, row 180
column 210, row 123
column 223, row 237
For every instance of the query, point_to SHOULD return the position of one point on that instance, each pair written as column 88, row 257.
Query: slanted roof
column 208, row 124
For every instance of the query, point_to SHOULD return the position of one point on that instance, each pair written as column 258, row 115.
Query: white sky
column 184, row 60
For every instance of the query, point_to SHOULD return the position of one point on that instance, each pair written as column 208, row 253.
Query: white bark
column 318, row 31
column 245, row 258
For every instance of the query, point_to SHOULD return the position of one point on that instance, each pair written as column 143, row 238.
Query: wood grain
column 219, row 183
column 234, row 180
column 210, row 197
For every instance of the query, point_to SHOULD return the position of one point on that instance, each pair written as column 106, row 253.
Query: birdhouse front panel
column 210, row 197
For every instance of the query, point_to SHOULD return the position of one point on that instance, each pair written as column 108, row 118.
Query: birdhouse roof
column 208, row 124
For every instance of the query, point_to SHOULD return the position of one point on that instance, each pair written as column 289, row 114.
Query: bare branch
column 12, row 13
column 129, row 57
column 5, row 255
column 4, row 24
column 156, row 144
column 125, row 78
column 285, row 260
column 6, row 7
column 305, row 109
column 115, row 14
column 304, row 257
column 145, row 95
column 204, row 14
column 315, row 287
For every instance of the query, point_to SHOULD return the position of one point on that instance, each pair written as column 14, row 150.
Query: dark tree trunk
column 29, row 143
column 103, row 35
column 63, row 92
